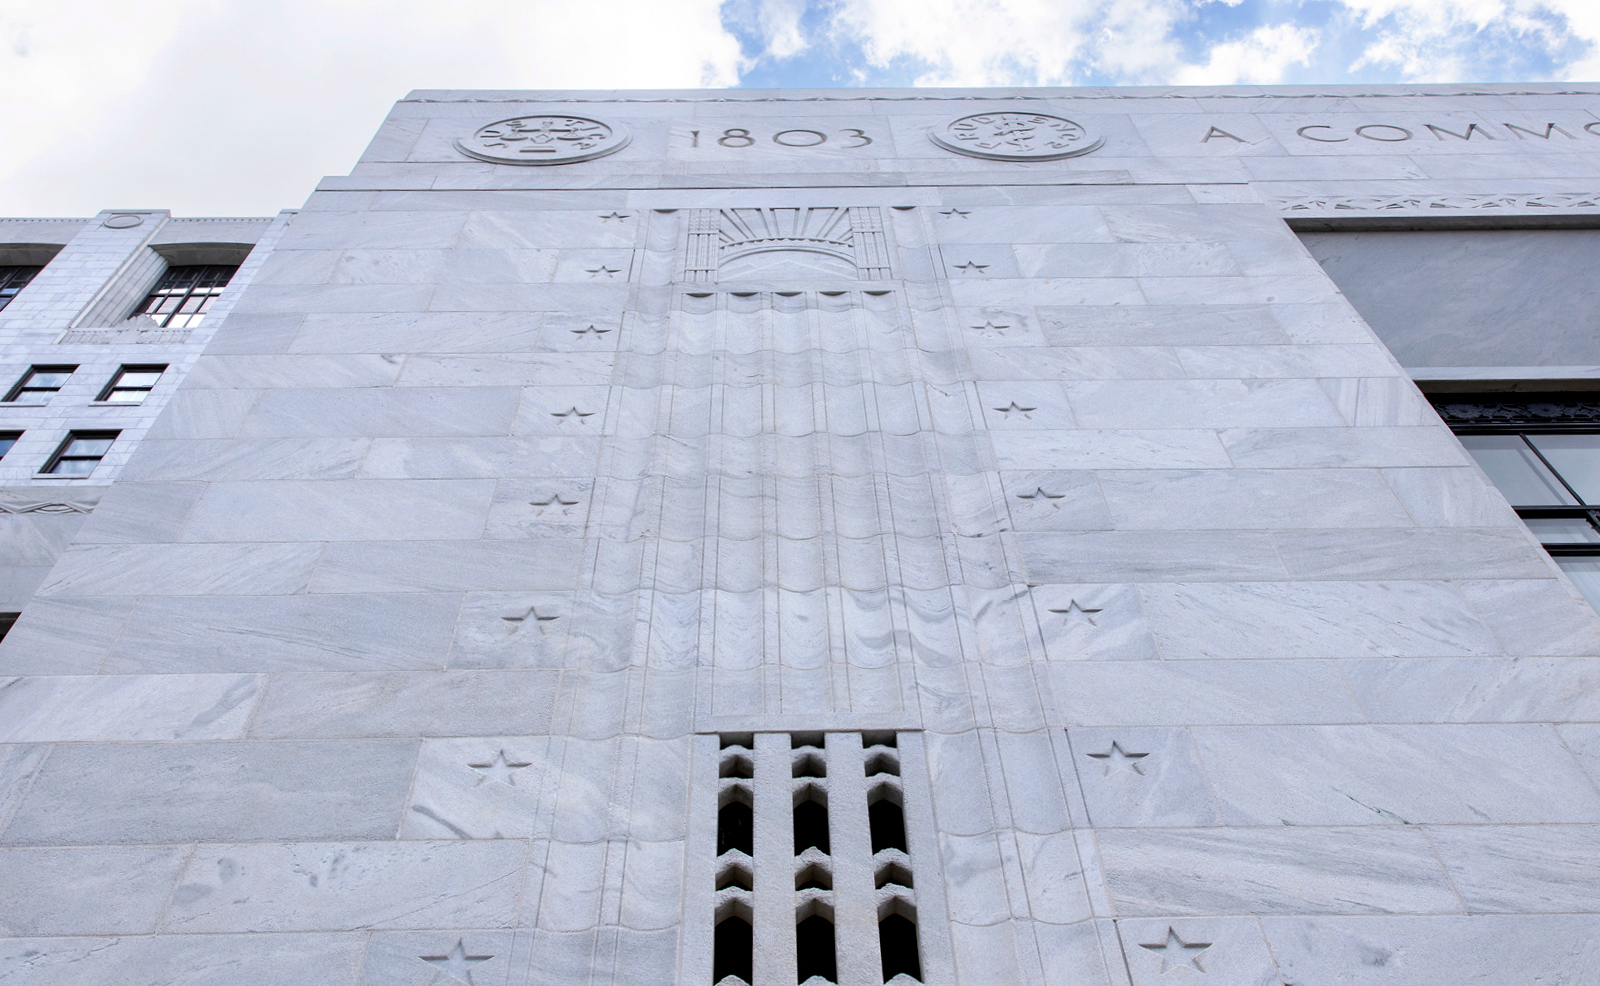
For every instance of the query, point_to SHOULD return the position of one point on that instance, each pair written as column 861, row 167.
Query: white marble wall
column 384, row 658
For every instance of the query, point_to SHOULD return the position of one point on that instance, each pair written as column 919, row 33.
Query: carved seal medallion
column 1016, row 137
column 544, row 140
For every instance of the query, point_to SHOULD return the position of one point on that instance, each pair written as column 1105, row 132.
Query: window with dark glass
column 8, row 439
column 185, row 294
column 14, row 279
column 7, row 621
column 131, row 384
column 80, row 453
column 40, row 383
column 1543, row 452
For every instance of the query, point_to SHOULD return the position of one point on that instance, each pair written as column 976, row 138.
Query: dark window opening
column 185, row 294
column 733, row 951
column 736, row 829
column 1543, row 453
column 131, row 385
column 810, row 827
column 814, row 949
column 6, row 622
column 888, row 824
column 8, row 439
column 80, row 453
column 40, row 382
column 897, row 943
column 12, row 280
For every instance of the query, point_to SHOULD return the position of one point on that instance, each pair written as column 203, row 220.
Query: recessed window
column 7, row 620
column 131, row 384
column 8, row 439
column 185, row 294
column 40, row 383
column 1543, row 452
column 80, row 453
column 14, row 279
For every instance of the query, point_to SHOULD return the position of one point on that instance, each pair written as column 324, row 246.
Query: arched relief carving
column 786, row 244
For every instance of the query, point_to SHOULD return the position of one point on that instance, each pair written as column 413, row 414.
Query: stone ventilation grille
column 813, row 868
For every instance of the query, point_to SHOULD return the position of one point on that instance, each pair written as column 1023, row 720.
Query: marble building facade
column 946, row 536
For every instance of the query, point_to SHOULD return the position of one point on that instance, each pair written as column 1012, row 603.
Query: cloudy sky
column 226, row 107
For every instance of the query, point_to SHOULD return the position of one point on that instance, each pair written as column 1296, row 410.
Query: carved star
column 1016, row 408
column 615, row 215
column 1083, row 616
column 533, row 614
column 1178, row 954
column 572, row 414
column 609, row 272
column 458, row 964
column 1117, row 760
column 972, row 267
column 589, row 331
column 554, row 501
column 498, row 770
column 956, row 213
column 1041, row 494
column 991, row 329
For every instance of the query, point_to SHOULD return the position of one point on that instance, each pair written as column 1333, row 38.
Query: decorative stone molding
column 1514, row 412
column 539, row 140
column 853, row 234
column 132, row 334
column 44, row 507
column 1016, row 137
column 1334, row 204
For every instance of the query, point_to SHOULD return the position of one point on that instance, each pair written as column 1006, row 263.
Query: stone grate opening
column 734, row 953
column 814, row 949
column 831, row 809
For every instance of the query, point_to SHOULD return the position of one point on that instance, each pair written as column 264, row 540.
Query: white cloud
column 1016, row 42
column 1261, row 57
column 1434, row 40
column 213, row 107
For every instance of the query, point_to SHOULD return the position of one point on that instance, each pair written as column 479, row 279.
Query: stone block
column 349, row 886
column 1433, row 951
column 1394, row 775
column 86, row 891
column 353, row 632
column 110, row 793
column 91, row 708
column 189, row 960
column 1136, row 778
column 1230, row 948
column 1367, row 870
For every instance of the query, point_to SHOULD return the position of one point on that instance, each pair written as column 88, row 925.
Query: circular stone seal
column 123, row 221
column 544, row 140
column 1016, row 137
